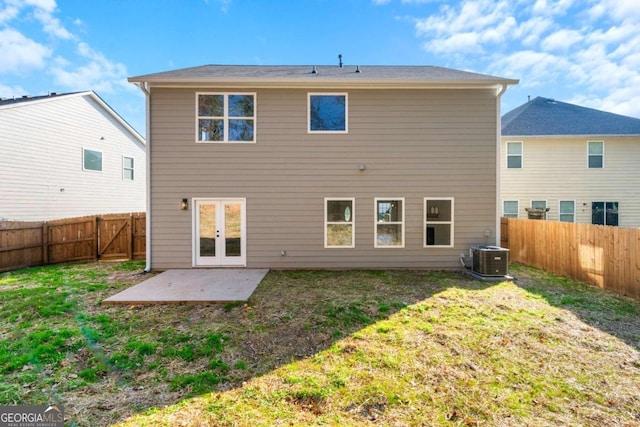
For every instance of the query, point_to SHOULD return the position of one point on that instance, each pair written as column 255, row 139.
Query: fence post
column 96, row 242
column 45, row 243
column 130, row 245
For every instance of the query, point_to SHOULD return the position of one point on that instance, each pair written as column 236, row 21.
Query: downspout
column 145, row 89
column 502, row 90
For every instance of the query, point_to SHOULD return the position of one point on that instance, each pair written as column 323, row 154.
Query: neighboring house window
column 224, row 117
column 389, row 223
column 91, row 160
column 339, row 223
column 539, row 204
column 328, row 112
column 510, row 208
column 127, row 168
column 596, row 154
column 514, row 155
column 438, row 230
column 567, row 211
column 604, row 213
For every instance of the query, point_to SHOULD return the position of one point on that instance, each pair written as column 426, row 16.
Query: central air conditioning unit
column 490, row 260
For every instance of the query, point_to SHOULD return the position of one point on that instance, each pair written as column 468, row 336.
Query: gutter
column 144, row 87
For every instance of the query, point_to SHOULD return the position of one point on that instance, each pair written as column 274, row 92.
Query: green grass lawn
column 323, row 348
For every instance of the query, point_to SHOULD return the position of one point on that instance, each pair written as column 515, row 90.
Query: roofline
column 95, row 97
column 315, row 83
column 587, row 135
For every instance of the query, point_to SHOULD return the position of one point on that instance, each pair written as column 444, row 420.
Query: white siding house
column 579, row 163
column 68, row 155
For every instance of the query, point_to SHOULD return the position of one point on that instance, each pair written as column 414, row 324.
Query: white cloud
column 8, row 13
column 561, row 40
column 467, row 28
column 531, row 30
column 98, row 73
column 552, row 8
column 52, row 25
column 532, row 67
column 20, row 53
column 458, row 43
column 11, row 91
column 620, row 10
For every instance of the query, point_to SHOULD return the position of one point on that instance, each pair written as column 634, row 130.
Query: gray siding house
column 578, row 163
column 320, row 166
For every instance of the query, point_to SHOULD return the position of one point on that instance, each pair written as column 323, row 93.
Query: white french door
column 219, row 232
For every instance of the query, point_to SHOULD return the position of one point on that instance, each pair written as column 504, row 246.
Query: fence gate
column 114, row 237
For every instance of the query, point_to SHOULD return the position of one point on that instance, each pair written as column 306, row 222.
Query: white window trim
column 427, row 222
column 346, row 112
column 226, row 118
column 376, row 222
column 589, row 155
column 517, row 207
column 564, row 213
column 352, row 222
column 125, row 168
column 508, row 155
column 101, row 160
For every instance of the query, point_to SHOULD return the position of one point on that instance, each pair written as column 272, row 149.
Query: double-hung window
column 514, row 155
column 389, row 223
column 567, row 211
column 539, row 204
column 127, row 168
column 438, row 230
column 339, row 222
column 328, row 113
column 596, row 154
column 225, row 117
column 91, row 160
column 510, row 208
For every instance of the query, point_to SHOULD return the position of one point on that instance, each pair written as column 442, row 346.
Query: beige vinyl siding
column 556, row 168
column 414, row 143
column 41, row 150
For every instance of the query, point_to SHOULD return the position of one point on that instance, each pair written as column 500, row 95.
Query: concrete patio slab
column 192, row 286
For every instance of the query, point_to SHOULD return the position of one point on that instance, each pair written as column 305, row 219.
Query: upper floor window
column 339, row 223
column 596, row 154
column 127, row 168
column 389, row 220
column 91, row 160
column 438, row 222
column 510, row 208
column 514, row 155
column 567, row 211
column 328, row 113
column 226, row 117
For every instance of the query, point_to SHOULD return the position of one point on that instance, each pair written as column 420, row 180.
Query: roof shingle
column 295, row 73
column 544, row 116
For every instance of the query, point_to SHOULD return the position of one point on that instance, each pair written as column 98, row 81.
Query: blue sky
column 585, row 52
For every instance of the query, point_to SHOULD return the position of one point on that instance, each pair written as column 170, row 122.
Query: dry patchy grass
column 328, row 348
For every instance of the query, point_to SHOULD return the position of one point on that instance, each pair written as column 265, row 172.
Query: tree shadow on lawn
column 294, row 315
column 601, row 309
column 291, row 315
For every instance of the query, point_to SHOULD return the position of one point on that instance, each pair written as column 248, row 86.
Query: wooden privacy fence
column 606, row 256
column 115, row 236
